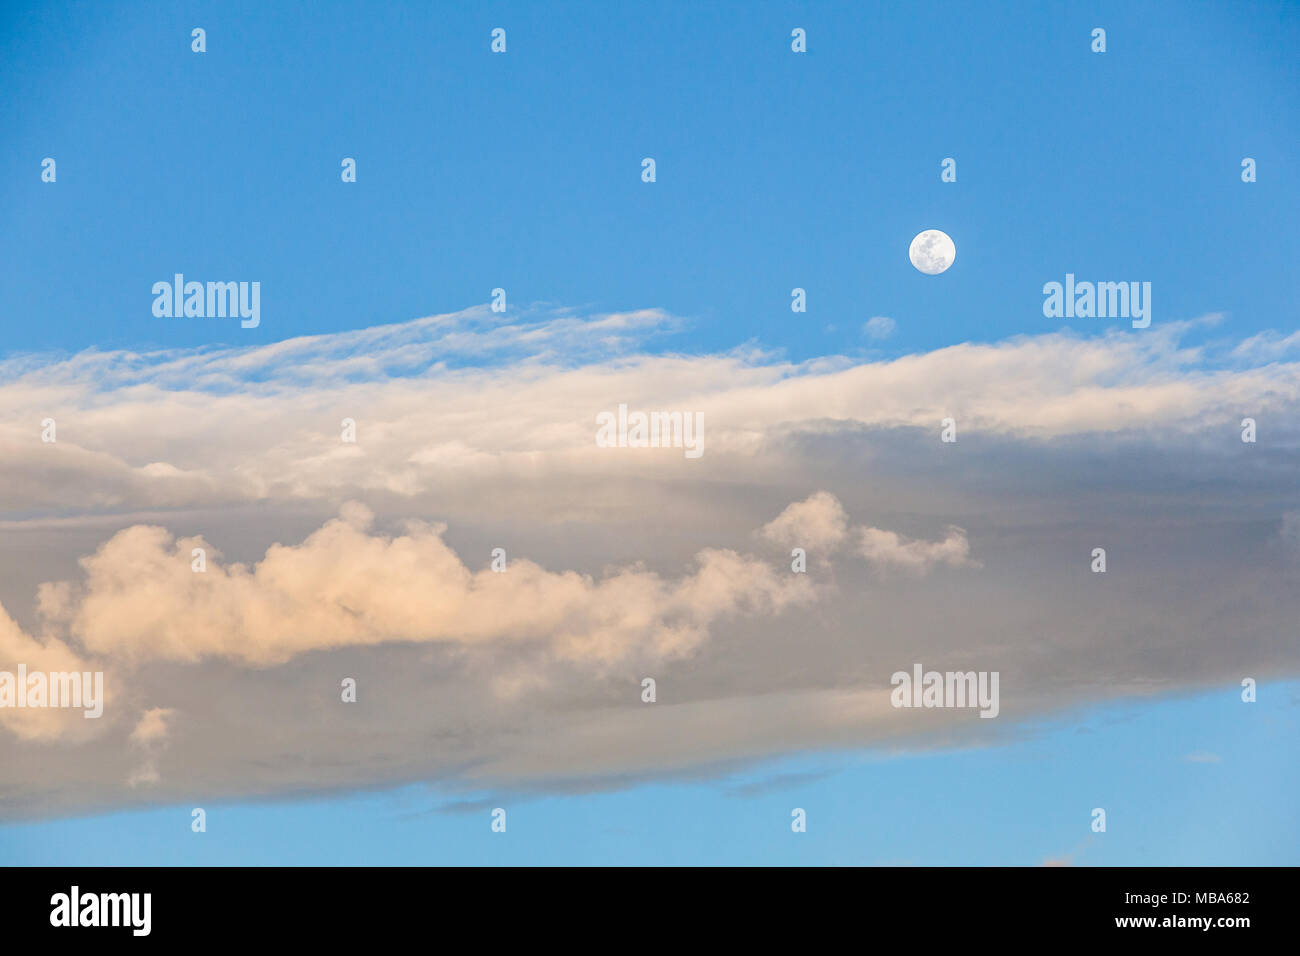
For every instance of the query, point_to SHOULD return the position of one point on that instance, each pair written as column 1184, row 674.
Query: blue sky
column 774, row 171
column 522, row 171
column 1192, row 781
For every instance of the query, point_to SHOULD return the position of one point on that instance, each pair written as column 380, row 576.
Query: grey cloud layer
column 624, row 563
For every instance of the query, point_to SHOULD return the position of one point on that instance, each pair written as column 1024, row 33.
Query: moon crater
column 932, row 252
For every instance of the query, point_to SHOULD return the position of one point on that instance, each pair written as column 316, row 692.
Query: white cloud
column 344, row 586
column 817, row 523
column 1267, row 346
column 152, row 726
column 223, row 426
column 886, row 550
column 879, row 327
column 47, row 655
column 623, row 563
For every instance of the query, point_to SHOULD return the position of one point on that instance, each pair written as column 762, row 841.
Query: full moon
column 932, row 251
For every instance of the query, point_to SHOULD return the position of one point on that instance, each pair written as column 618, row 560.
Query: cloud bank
column 377, row 560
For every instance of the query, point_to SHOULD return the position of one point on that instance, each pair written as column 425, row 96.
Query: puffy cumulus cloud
column 886, row 550
column 142, row 600
column 820, row 523
column 48, row 656
column 817, row 523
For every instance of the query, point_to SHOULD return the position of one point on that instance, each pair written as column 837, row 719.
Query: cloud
column 1290, row 531
column 142, row 600
column 149, row 735
column 222, row 427
column 152, row 727
column 1267, row 346
column 47, row 656
column 818, row 523
column 343, row 586
column 878, row 327
column 776, row 783
column 371, row 560
column 887, row 550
